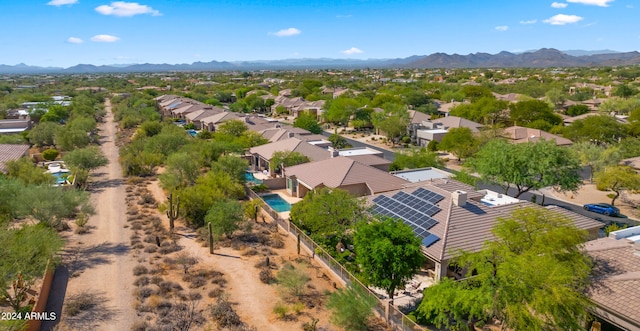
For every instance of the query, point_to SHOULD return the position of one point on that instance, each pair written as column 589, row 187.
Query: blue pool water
column 192, row 132
column 61, row 177
column 249, row 178
column 276, row 202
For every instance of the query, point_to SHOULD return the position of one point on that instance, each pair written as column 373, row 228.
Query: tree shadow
column 100, row 185
column 78, row 259
column 87, row 310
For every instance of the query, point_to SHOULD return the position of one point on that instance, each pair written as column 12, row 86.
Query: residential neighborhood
column 233, row 182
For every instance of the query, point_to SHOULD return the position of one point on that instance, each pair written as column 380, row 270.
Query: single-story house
column 340, row 172
column 14, row 126
column 261, row 155
column 449, row 216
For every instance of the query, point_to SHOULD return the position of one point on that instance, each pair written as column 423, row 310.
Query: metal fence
column 394, row 317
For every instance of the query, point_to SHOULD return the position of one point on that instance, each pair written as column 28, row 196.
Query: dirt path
column 101, row 260
column 253, row 300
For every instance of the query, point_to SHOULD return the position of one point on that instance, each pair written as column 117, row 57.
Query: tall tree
column 599, row 129
column 533, row 276
column 596, row 157
column 416, row 158
column 393, row 121
column 225, row 216
column 527, row 166
column 617, row 178
column 388, row 253
column 525, row 113
column 182, row 170
column 308, row 122
column 83, row 160
column 287, row 158
column 459, row 141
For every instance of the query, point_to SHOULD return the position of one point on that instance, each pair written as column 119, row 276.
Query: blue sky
column 68, row 32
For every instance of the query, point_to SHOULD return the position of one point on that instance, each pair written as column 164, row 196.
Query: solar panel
column 427, row 195
column 430, row 240
column 417, row 203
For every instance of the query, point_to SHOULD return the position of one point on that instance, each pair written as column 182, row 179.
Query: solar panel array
column 415, row 209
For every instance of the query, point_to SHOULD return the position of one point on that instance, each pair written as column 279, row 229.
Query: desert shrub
column 216, row 292
column 81, row 221
column 141, row 281
column 136, row 226
column 293, row 280
column 140, row 270
column 266, row 276
column 140, row 326
column 80, row 303
column 197, row 281
column 144, row 292
column 218, row 280
column 276, row 241
column 281, row 309
column 249, row 252
column 297, row 307
column 151, row 249
column 169, row 249
column 351, row 308
column 156, row 280
column 169, row 286
column 50, row 154
column 138, row 245
column 223, row 313
column 147, row 199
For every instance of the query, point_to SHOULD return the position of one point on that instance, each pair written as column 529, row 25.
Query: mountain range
column 542, row 58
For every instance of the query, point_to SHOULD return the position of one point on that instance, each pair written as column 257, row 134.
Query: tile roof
column 458, row 122
column 468, row 227
column 519, row 134
column 11, row 152
column 314, row 153
column 369, row 159
column 343, row 171
column 616, row 286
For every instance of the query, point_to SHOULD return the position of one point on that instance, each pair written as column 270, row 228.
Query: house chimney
column 334, row 152
column 291, row 134
column 459, row 198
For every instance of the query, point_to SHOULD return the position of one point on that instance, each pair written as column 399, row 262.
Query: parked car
column 602, row 208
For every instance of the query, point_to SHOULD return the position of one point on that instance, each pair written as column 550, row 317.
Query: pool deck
column 286, row 197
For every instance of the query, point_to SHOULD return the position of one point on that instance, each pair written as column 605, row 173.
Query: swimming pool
column 192, row 132
column 276, row 202
column 61, row 178
column 249, row 178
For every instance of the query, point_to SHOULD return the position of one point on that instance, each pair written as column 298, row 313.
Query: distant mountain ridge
column 542, row 58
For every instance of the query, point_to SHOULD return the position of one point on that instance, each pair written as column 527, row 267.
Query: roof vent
column 459, row 198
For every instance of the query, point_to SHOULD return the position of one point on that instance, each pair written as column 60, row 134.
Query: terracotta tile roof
column 616, row 286
column 342, row 171
column 314, row 153
column 11, row 152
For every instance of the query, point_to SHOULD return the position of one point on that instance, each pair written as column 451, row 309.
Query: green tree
column 225, row 216
column 393, row 121
column 416, row 158
column 596, row 157
column 524, row 113
column 308, row 122
column 388, row 253
column 82, row 161
column 624, row 91
column 575, row 110
column 556, row 97
column 351, row 308
column 182, row 170
column 459, row 141
column 69, row 139
column 527, row 166
column 24, row 257
column 486, row 110
column 197, row 200
column 598, row 129
column 27, row 172
column 506, row 282
column 327, row 212
column 43, row 134
column 233, row 165
column 293, row 280
column 617, row 178
column 35, row 201
column 234, row 128
column 287, row 158
column 340, row 110
column 338, row 141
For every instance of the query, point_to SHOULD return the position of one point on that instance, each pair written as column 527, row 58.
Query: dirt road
column 102, row 259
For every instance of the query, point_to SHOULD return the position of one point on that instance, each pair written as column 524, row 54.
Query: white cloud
column 599, row 3
column 61, row 2
column 562, row 19
column 74, row 40
column 352, row 50
column 344, row 16
column 104, row 38
column 559, row 5
column 126, row 9
column 502, row 28
column 286, row 32
column 529, row 22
